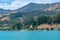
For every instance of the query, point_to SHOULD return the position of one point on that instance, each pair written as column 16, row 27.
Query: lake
column 29, row 35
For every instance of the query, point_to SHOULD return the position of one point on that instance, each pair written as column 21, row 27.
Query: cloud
column 19, row 3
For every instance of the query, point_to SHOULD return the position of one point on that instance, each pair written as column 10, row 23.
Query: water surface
column 30, row 35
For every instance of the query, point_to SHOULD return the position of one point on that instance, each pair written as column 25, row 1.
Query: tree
column 17, row 26
column 42, row 19
column 58, row 18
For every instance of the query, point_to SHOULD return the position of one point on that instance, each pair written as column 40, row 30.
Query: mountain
column 30, row 14
column 4, row 11
column 33, row 6
column 32, row 10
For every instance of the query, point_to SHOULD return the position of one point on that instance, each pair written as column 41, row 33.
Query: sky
column 14, row 4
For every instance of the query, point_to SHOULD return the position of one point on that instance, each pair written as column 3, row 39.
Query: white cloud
column 14, row 5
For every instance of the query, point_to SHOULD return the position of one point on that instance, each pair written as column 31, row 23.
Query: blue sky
column 6, row 1
column 14, row 4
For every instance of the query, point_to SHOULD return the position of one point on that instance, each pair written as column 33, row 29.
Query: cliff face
column 5, row 18
column 54, row 7
column 49, row 26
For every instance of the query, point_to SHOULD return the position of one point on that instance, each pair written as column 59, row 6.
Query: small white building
column 30, row 26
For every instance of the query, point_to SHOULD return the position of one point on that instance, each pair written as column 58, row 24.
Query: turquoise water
column 30, row 35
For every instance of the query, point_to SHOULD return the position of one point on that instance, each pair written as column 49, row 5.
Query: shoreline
column 30, row 30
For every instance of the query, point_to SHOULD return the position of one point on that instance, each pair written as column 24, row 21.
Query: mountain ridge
column 31, row 8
